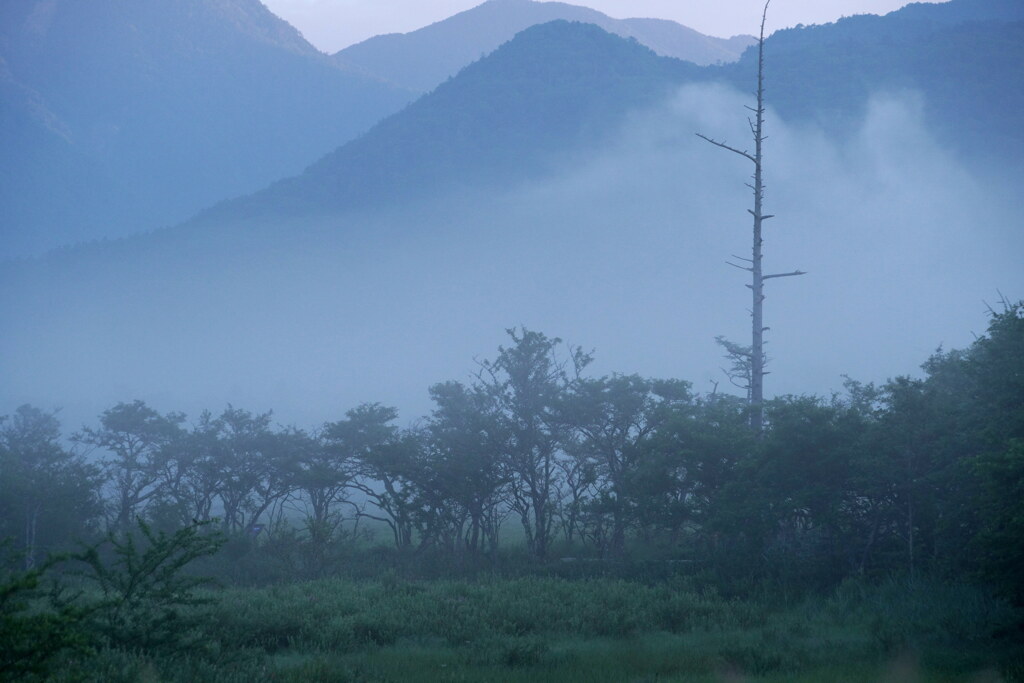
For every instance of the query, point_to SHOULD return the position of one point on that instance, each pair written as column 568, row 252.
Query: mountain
column 555, row 88
column 964, row 58
column 124, row 115
column 959, row 11
column 558, row 90
column 44, row 177
column 422, row 59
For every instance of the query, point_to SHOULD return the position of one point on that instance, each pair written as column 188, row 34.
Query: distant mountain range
column 119, row 116
column 422, row 59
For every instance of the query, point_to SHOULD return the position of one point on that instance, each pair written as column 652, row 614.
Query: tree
column 804, row 473
column 756, row 353
column 612, row 417
column 526, row 382
column 31, row 636
column 688, row 466
column 255, row 465
column 740, row 367
column 323, row 475
column 48, row 495
column 383, row 460
column 136, row 436
column 977, row 442
column 466, row 440
column 145, row 589
column 191, row 476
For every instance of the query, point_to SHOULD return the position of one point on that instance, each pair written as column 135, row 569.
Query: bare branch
column 716, row 143
column 734, row 265
column 793, row 274
column 735, row 382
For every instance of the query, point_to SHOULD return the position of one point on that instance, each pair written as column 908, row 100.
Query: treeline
column 916, row 475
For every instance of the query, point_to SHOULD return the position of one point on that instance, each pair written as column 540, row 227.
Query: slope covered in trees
column 112, row 129
column 557, row 91
column 121, row 117
column 557, row 88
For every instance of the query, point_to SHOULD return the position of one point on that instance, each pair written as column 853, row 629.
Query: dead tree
column 753, row 265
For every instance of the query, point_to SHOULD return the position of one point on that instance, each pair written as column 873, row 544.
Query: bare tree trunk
column 757, row 279
column 757, row 355
column 910, row 536
column 31, row 519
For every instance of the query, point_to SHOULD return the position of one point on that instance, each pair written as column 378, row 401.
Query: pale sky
column 333, row 24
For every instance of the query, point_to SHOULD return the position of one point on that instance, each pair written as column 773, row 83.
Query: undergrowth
column 552, row 629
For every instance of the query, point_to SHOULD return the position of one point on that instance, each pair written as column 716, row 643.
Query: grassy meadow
column 545, row 628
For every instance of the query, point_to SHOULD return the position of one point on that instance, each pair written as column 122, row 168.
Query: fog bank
column 623, row 253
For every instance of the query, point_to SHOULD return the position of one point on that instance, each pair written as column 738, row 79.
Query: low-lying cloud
column 623, row 253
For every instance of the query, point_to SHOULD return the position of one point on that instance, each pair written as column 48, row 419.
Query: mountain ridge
column 498, row 97
column 498, row 121
column 173, row 105
column 820, row 73
column 426, row 57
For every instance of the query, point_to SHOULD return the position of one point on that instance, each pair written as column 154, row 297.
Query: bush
column 33, row 633
column 147, row 599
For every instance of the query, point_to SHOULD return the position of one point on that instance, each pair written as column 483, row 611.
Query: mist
column 623, row 252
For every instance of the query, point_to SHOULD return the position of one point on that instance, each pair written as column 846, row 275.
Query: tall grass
column 554, row 629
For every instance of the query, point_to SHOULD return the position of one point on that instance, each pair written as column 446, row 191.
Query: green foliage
column 146, row 594
column 828, row 73
column 684, row 526
column 553, row 629
column 526, row 382
column 384, row 459
column 135, row 436
column 48, row 495
column 33, row 636
column 1001, row 538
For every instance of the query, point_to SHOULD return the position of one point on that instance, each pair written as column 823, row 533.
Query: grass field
column 552, row 629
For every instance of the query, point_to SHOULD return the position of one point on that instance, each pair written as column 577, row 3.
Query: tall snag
column 755, row 390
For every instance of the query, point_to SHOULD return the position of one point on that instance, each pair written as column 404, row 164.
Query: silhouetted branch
column 793, row 274
column 716, row 143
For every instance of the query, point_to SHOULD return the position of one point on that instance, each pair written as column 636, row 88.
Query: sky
column 334, row 24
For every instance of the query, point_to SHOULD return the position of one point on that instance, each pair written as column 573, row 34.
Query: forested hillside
column 557, row 92
column 123, row 117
